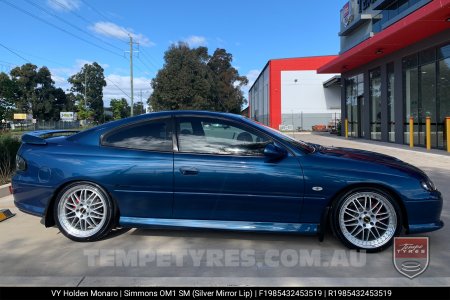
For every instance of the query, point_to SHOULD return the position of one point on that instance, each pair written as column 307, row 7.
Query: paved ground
column 33, row 255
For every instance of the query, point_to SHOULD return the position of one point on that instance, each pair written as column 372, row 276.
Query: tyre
column 84, row 212
column 366, row 219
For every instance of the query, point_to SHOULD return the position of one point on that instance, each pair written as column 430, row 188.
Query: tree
column 35, row 92
column 138, row 108
column 120, row 108
column 62, row 103
column 226, row 94
column 8, row 92
column 75, row 103
column 25, row 79
column 184, row 82
column 93, row 76
column 191, row 79
column 43, row 99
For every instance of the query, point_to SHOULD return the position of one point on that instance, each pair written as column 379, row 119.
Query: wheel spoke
column 95, row 217
column 69, row 207
column 375, row 228
column 382, row 228
column 375, row 206
column 352, row 210
column 359, row 203
column 350, row 220
column 383, row 218
column 354, row 229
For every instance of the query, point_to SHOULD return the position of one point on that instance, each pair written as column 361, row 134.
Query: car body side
column 141, row 182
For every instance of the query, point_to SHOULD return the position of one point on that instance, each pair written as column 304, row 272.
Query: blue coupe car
column 193, row 169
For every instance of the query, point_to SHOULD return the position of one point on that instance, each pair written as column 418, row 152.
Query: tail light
column 21, row 164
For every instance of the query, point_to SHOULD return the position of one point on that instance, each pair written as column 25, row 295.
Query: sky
column 63, row 35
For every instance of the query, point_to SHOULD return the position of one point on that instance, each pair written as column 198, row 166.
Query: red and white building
column 289, row 94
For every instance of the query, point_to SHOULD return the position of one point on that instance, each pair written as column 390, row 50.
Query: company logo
column 411, row 255
column 347, row 15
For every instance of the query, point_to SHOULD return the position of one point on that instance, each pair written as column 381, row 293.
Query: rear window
column 153, row 135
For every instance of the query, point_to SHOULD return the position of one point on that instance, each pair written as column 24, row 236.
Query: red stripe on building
column 276, row 66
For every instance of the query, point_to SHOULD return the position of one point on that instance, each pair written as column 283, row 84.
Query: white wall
column 303, row 91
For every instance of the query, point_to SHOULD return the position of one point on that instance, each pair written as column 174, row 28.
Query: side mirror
column 274, row 152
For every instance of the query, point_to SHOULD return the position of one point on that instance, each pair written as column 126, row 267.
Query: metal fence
column 306, row 121
column 44, row 125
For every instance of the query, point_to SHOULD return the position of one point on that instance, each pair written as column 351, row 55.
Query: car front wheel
column 84, row 212
column 366, row 219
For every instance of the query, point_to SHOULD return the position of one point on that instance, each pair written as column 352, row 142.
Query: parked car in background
column 220, row 171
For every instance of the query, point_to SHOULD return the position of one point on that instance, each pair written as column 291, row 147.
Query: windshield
column 286, row 138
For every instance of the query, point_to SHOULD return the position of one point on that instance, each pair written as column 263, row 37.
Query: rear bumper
column 31, row 198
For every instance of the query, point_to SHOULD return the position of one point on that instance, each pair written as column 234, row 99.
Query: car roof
column 86, row 135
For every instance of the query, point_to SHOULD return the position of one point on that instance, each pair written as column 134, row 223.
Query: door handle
column 188, row 171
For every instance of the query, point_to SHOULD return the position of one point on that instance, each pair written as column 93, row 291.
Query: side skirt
column 309, row 229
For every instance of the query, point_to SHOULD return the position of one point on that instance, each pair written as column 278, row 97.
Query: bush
column 8, row 149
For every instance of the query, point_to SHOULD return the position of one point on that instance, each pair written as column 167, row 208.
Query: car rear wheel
column 366, row 219
column 84, row 212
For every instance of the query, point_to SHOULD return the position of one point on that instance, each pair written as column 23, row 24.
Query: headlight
column 428, row 185
column 21, row 164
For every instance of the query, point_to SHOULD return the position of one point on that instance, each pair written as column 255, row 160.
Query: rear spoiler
column 38, row 137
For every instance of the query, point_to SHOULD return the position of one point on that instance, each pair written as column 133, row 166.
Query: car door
column 137, row 163
column 221, row 173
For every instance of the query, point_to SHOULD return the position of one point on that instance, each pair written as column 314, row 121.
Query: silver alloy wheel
column 367, row 220
column 82, row 211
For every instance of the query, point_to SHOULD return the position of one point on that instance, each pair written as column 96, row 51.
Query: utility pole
column 131, row 72
column 85, row 89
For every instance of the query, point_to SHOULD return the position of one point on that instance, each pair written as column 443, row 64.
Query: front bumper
column 419, row 228
column 425, row 215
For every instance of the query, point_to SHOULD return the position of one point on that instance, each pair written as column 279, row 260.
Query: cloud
column 64, row 5
column 251, row 75
column 118, row 85
column 196, row 41
column 113, row 30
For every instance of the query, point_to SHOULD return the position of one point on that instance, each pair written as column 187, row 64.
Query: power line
column 103, row 16
column 117, row 87
column 68, row 23
column 59, row 28
column 148, row 58
column 58, row 64
column 122, row 29
column 17, row 54
column 76, row 27
column 145, row 65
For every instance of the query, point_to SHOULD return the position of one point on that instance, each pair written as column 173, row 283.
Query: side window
column 216, row 136
column 153, row 135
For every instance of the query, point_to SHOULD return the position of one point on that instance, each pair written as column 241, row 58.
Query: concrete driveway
column 33, row 255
